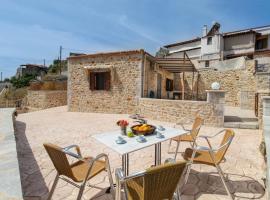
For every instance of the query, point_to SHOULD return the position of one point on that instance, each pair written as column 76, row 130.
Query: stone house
column 175, row 83
column 31, row 69
column 119, row 78
column 134, row 82
column 105, row 82
column 214, row 45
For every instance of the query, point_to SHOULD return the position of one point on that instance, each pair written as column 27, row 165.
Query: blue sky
column 33, row 30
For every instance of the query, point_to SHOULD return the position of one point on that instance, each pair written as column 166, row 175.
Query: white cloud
column 139, row 30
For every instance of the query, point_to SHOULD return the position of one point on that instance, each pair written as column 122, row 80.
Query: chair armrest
column 202, row 148
column 183, row 127
column 212, row 136
column 122, row 178
column 68, row 152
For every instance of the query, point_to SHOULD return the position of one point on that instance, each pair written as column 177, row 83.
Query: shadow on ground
column 242, row 187
column 33, row 184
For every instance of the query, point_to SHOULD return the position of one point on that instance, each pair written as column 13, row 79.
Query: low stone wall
column 261, row 95
column 10, row 184
column 43, row 99
column 180, row 111
column 266, row 131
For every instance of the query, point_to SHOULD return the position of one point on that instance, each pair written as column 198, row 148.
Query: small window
column 100, row 80
column 207, row 63
column 209, row 40
column 261, row 43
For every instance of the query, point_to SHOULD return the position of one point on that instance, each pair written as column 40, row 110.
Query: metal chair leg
column 81, row 191
column 178, row 192
column 53, row 187
column 188, row 172
column 176, row 151
column 170, row 143
column 118, row 189
column 223, row 180
column 110, row 177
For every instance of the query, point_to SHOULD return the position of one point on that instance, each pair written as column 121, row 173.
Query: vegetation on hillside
column 15, row 93
column 22, row 81
column 55, row 67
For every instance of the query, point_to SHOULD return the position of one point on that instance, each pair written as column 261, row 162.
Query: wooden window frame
column 93, row 81
column 207, row 63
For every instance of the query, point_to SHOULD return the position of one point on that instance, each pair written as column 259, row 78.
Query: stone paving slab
column 244, row 166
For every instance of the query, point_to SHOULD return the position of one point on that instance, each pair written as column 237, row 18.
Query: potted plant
column 123, row 125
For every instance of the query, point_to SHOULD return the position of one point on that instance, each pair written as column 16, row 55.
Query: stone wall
column 266, row 132
column 180, row 111
column 262, row 81
column 10, row 184
column 42, row 99
column 125, row 87
column 239, row 84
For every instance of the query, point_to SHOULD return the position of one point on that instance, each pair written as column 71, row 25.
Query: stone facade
column 42, row 99
column 125, row 84
column 239, row 84
column 181, row 111
column 132, row 76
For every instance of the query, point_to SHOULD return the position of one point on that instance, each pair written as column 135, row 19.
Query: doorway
column 159, row 81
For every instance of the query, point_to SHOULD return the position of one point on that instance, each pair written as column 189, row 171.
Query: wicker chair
column 189, row 137
column 209, row 155
column 79, row 172
column 157, row 183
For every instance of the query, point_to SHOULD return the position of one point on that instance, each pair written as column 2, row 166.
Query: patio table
column 132, row 144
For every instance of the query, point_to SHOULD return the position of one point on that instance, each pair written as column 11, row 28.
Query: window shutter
column 107, row 78
column 92, row 81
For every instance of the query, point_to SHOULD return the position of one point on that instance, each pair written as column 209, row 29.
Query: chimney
column 204, row 32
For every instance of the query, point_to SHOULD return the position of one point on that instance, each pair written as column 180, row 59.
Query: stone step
column 242, row 125
column 239, row 119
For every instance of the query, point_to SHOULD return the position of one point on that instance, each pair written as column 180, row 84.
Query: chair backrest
column 59, row 159
column 196, row 127
column 224, row 145
column 157, row 183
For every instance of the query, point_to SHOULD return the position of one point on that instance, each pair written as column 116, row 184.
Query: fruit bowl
column 143, row 129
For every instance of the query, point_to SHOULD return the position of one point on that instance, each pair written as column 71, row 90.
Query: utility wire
column 79, row 50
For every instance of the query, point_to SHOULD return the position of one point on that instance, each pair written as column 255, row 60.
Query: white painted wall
column 185, row 47
column 211, row 51
column 238, row 44
column 192, row 54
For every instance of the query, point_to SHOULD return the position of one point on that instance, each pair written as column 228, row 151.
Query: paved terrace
column 244, row 166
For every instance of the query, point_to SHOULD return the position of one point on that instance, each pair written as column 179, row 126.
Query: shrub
column 22, row 81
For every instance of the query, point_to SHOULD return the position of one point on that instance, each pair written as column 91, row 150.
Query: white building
column 214, row 46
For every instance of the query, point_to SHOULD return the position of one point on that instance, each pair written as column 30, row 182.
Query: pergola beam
column 176, row 65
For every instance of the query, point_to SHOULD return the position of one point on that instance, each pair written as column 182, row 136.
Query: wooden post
column 192, row 84
column 198, row 78
column 145, row 82
column 183, row 86
column 183, row 79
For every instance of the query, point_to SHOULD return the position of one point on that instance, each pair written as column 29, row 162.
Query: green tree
column 22, row 81
column 55, row 66
column 6, row 80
